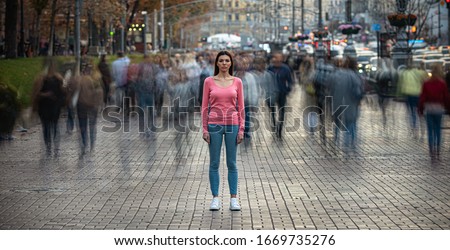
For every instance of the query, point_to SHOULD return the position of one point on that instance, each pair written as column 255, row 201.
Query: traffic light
column 448, row 3
column 414, row 28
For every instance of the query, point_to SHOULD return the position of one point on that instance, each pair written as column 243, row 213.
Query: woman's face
column 224, row 63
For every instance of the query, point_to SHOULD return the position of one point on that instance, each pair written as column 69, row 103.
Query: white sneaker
column 234, row 205
column 215, row 204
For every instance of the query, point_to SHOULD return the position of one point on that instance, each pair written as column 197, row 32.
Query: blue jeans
column 434, row 131
column 413, row 102
column 216, row 135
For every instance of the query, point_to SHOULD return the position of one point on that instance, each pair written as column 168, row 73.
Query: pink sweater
column 223, row 105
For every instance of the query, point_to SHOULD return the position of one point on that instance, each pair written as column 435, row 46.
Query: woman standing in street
column 223, row 115
column 433, row 103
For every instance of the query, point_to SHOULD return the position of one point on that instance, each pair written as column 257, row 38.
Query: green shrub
column 9, row 108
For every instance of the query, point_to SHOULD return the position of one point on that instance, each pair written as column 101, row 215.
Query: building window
column 221, row 4
column 237, row 4
column 248, row 17
column 230, row 17
column 236, row 16
column 230, row 4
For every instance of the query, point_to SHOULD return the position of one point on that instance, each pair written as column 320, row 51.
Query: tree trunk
column 52, row 28
column 21, row 50
column 37, row 34
column 67, row 31
column 12, row 8
column 133, row 12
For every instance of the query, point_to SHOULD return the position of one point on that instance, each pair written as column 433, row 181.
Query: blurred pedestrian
column 410, row 86
column 162, row 82
column 321, row 90
column 89, row 102
column 103, row 67
column 283, row 76
column 223, row 116
column 193, row 71
column 346, row 88
column 179, row 91
column 386, row 83
column 49, row 98
column 251, row 91
column 119, row 74
column 433, row 102
column 145, row 89
column 207, row 66
column 131, row 88
column 268, row 84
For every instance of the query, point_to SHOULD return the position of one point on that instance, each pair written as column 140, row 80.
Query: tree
column 12, row 7
column 38, row 6
column 52, row 27
column 415, row 10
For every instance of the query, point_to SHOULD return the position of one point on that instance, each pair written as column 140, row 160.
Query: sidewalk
column 161, row 182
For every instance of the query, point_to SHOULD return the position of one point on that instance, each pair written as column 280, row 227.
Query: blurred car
column 444, row 50
column 419, row 53
column 372, row 67
column 446, row 63
column 432, row 56
column 363, row 59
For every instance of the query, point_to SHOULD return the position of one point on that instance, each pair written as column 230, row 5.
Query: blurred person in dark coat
column 88, row 104
column 283, row 77
column 346, row 88
column 48, row 99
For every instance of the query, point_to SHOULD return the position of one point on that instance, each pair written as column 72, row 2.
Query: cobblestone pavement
column 132, row 181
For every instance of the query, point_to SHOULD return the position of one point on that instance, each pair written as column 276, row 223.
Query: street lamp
column 162, row 25
column 144, row 13
column 349, row 50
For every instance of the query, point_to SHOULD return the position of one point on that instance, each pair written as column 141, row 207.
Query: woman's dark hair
column 223, row 53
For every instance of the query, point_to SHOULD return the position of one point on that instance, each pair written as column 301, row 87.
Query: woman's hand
column 240, row 138
column 206, row 138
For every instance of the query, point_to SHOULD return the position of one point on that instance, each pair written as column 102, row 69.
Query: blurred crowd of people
column 425, row 94
column 334, row 90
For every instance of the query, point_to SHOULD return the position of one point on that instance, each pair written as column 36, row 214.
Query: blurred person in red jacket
column 433, row 102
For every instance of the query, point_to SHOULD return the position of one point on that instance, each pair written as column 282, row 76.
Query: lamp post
column 122, row 30
column 162, row 25
column 401, row 51
column 349, row 50
column 144, row 13
column 320, row 51
column 77, row 48
column 293, row 18
column 155, row 30
column 303, row 16
column 448, row 21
